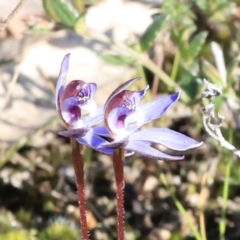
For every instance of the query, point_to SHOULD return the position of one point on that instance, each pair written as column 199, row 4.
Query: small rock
column 160, row 234
column 100, row 235
column 193, row 199
column 19, row 178
column 150, row 184
column 131, row 174
column 163, row 193
column 192, row 177
column 91, row 221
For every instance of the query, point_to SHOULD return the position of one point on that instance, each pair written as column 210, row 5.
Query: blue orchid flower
column 71, row 100
column 124, row 116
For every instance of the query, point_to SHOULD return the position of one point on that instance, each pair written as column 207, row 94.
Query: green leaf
column 61, row 11
column 117, row 59
column 192, row 68
column 202, row 4
column 152, row 31
column 60, row 229
column 16, row 235
column 80, row 25
column 79, row 5
column 210, row 72
column 231, row 77
column 197, row 44
column 221, row 6
column 189, row 85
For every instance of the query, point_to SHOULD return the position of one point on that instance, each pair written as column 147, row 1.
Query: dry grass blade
column 10, row 89
column 6, row 99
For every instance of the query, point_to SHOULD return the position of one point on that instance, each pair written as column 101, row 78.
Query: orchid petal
column 61, row 79
column 121, row 143
column 115, row 122
column 91, row 89
column 119, row 109
column 81, row 90
column 101, row 131
column 150, row 152
column 156, row 108
column 120, row 89
column 133, row 121
column 75, row 133
column 90, row 107
column 93, row 141
column 129, row 153
column 77, row 96
column 71, row 112
column 167, row 138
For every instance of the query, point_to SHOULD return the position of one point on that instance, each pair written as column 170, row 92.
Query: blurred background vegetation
column 198, row 198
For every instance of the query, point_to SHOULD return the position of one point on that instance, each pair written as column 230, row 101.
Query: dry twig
column 5, row 23
column 213, row 123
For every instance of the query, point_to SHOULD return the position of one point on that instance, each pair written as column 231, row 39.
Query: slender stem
column 175, row 65
column 222, row 224
column 78, row 164
column 202, row 203
column 118, row 163
column 156, row 79
column 141, row 72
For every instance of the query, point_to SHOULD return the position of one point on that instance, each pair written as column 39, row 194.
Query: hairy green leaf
column 152, row 31
column 197, row 44
column 61, row 11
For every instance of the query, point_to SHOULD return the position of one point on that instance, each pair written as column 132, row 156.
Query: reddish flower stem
column 118, row 164
column 78, row 164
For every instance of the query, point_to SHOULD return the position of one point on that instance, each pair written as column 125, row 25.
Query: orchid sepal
column 166, row 137
column 61, row 79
